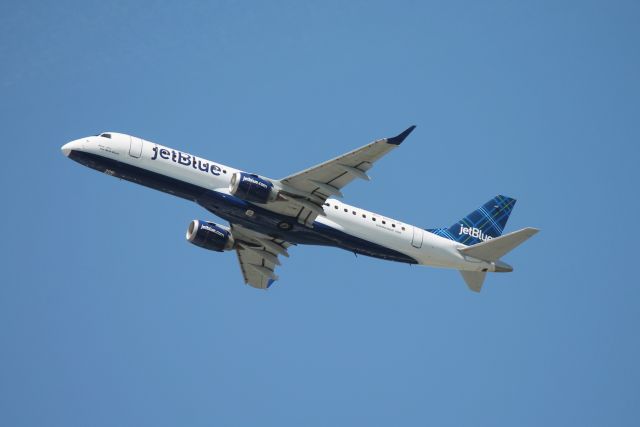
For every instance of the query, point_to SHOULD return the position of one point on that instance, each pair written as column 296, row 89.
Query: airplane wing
column 310, row 188
column 258, row 255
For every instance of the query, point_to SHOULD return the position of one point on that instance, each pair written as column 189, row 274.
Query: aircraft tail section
column 494, row 249
column 491, row 251
column 485, row 223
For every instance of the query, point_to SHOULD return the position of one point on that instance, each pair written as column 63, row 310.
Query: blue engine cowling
column 252, row 188
column 210, row 236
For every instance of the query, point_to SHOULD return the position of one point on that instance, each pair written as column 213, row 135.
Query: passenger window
column 364, row 216
column 373, row 219
column 354, row 212
column 335, row 206
column 384, row 222
column 402, row 228
column 346, row 210
column 393, row 225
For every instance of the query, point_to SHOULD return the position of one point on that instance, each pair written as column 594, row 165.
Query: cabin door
column 416, row 242
column 135, row 147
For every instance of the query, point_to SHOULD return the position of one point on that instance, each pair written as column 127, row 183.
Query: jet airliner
column 267, row 216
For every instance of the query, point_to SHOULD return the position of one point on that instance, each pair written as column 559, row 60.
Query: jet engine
column 252, row 188
column 210, row 236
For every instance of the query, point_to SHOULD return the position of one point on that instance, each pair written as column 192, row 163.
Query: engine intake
column 209, row 235
column 252, row 188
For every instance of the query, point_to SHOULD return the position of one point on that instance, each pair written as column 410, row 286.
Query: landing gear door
column 135, row 147
column 416, row 242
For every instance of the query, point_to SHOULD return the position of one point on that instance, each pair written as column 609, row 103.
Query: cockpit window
column 106, row 135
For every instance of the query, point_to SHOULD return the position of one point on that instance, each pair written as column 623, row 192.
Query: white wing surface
column 258, row 256
column 307, row 190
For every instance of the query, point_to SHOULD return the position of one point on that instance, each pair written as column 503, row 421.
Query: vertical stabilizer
column 481, row 225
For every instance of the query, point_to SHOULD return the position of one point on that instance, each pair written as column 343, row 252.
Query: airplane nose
column 66, row 149
column 70, row 146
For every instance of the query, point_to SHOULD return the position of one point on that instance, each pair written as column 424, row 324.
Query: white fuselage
column 424, row 247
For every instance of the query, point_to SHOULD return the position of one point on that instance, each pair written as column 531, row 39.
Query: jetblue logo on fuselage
column 185, row 159
column 474, row 232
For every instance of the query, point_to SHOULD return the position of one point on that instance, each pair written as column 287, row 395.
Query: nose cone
column 66, row 149
column 71, row 146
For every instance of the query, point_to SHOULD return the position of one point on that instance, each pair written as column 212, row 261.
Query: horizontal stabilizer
column 474, row 279
column 494, row 249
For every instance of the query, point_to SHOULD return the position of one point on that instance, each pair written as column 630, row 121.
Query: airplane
column 267, row 216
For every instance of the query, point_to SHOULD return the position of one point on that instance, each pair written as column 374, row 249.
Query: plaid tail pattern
column 482, row 224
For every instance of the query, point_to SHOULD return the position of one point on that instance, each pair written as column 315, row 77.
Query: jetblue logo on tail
column 481, row 225
column 474, row 232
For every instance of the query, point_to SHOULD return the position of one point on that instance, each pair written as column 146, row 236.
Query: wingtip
column 397, row 140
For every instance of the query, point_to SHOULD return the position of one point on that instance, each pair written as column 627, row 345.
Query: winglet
column 397, row 140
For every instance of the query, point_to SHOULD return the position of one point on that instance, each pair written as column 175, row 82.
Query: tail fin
column 481, row 225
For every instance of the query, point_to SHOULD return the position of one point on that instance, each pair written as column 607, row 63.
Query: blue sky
column 108, row 317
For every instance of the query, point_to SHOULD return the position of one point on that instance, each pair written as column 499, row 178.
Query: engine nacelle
column 252, row 188
column 210, row 236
